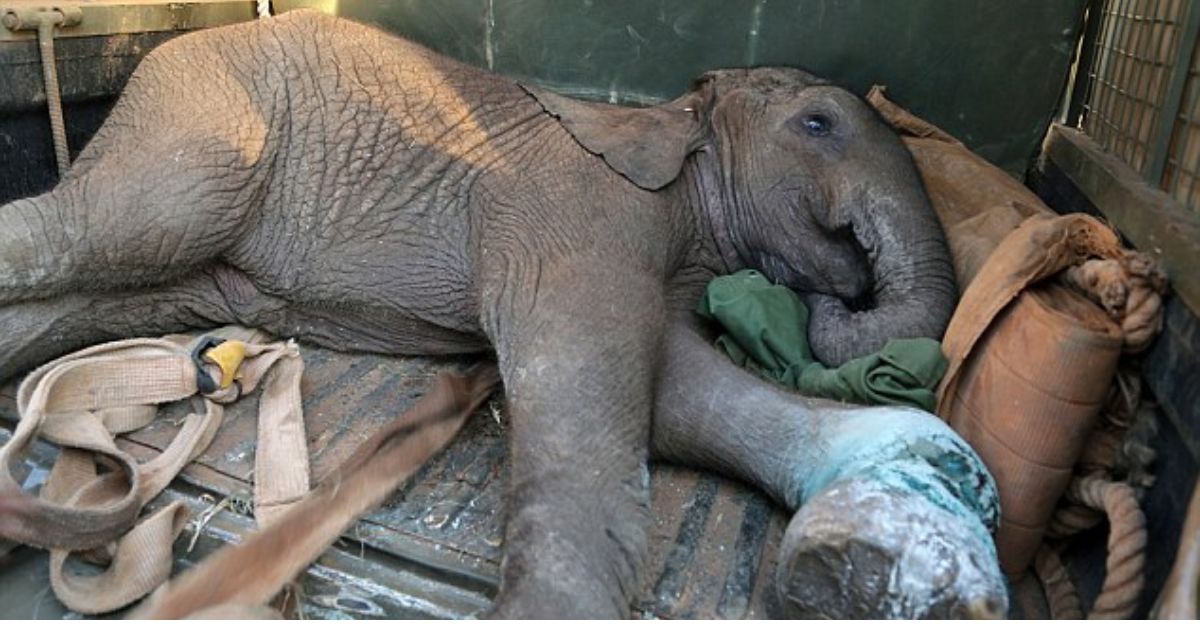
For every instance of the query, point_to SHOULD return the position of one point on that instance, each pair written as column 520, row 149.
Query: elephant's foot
column 867, row 549
column 540, row 597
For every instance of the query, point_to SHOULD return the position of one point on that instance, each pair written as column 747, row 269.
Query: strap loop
column 82, row 401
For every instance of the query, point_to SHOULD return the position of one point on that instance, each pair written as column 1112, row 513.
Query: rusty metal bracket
column 114, row 17
column 45, row 20
column 32, row 16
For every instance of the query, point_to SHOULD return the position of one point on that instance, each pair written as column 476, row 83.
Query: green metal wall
column 989, row 71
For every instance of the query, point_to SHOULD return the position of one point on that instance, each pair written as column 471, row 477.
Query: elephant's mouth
column 857, row 288
column 845, row 275
column 863, row 302
column 861, row 297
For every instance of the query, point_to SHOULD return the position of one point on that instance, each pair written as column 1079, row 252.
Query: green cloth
column 766, row 331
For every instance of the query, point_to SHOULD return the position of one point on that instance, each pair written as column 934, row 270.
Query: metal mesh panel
column 1181, row 178
column 1134, row 50
column 1143, row 91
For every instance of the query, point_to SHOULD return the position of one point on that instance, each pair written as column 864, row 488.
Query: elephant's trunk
column 914, row 288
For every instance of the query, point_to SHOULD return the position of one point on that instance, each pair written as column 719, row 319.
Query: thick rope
column 1125, row 565
column 1060, row 592
column 1117, row 452
column 1129, row 287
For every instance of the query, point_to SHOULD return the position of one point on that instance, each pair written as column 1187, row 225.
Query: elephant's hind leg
column 141, row 214
column 35, row 332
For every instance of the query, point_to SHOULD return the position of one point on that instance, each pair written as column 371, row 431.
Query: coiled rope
column 1126, row 559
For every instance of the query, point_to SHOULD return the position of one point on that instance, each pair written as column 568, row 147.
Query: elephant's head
column 801, row 180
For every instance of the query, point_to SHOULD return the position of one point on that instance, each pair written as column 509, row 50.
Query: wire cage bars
column 1141, row 96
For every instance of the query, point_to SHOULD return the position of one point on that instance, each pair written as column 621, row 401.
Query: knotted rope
column 1129, row 288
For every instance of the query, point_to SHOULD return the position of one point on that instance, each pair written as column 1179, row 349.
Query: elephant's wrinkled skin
column 321, row 180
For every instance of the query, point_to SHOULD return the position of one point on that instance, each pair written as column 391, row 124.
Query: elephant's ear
column 645, row 145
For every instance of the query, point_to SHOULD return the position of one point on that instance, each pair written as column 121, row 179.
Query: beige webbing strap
column 81, row 402
column 281, row 457
column 238, row 579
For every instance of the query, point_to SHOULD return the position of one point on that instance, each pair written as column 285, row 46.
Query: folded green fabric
column 766, row 330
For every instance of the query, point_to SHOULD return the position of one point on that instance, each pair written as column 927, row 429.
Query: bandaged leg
column 893, row 511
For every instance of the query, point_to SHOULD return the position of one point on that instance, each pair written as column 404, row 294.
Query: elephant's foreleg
column 142, row 213
column 893, row 508
column 578, row 373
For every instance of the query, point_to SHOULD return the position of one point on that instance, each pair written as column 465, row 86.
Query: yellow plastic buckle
column 228, row 356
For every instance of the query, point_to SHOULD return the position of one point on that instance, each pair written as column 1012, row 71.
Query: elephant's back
column 376, row 151
column 431, row 99
column 309, row 63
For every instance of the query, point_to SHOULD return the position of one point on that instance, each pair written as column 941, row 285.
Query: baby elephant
column 318, row 179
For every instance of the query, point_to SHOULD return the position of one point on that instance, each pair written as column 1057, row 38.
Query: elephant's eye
column 815, row 124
